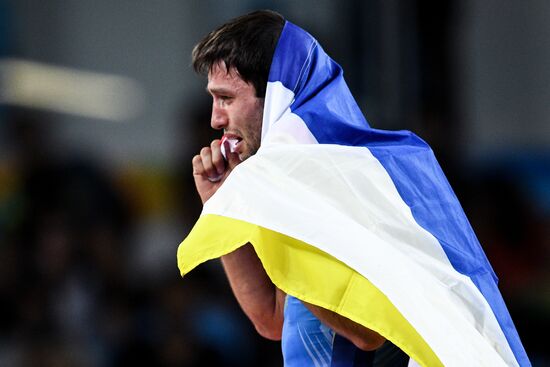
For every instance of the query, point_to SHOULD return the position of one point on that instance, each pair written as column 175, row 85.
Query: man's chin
column 244, row 156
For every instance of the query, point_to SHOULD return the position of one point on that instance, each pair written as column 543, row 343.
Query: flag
column 357, row 220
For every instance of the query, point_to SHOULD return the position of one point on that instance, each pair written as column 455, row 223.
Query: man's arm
column 260, row 300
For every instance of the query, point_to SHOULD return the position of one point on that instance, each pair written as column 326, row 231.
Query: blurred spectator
column 66, row 285
column 65, row 245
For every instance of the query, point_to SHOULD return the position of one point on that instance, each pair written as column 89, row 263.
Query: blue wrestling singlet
column 308, row 342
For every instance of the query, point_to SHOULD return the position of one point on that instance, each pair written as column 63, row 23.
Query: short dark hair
column 246, row 43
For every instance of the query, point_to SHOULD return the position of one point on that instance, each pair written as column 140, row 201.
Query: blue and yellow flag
column 357, row 220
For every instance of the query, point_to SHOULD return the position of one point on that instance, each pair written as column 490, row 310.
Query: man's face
column 236, row 109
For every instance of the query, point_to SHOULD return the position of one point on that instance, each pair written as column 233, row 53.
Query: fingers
column 217, row 157
column 198, row 168
column 209, row 163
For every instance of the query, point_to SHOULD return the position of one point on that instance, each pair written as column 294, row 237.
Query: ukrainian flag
column 356, row 220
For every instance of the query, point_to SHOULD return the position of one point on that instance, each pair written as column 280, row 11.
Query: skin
column 238, row 112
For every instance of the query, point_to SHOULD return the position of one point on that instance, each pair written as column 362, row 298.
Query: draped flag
column 357, row 220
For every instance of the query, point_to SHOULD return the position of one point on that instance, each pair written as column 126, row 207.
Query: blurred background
column 101, row 113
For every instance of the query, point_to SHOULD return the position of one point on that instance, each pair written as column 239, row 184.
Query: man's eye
column 224, row 98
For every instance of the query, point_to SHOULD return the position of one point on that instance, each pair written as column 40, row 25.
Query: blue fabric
column 308, row 342
column 325, row 104
column 305, row 341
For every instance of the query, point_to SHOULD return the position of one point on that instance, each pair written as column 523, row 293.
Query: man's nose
column 219, row 118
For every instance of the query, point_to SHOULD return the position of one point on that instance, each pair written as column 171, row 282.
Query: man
column 298, row 140
column 237, row 77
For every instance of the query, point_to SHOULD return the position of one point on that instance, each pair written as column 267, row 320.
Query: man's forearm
column 261, row 301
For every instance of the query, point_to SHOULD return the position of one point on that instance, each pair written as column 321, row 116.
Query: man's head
column 237, row 57
column 246, row 43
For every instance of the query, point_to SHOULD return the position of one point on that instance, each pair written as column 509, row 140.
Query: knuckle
column 197, row 164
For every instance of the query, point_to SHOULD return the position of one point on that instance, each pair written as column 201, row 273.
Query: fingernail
column 215, row 179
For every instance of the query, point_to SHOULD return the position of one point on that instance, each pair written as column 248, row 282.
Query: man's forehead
column 220, row 77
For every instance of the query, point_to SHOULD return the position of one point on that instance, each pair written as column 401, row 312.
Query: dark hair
column 246, row 43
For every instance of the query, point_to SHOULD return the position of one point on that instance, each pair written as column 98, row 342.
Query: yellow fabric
column 309, row 274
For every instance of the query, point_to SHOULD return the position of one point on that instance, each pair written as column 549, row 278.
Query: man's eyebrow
column 218, row 90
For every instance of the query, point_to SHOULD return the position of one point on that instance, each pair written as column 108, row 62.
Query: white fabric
column 290, row 128
column 341, row 199
column 314, row 198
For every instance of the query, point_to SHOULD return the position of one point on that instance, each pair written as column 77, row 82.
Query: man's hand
column 210, row 169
